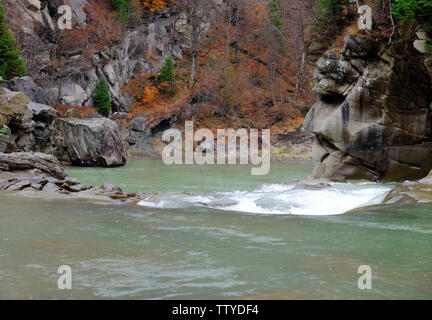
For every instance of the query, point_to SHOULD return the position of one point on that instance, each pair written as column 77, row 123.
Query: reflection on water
column 195, row 250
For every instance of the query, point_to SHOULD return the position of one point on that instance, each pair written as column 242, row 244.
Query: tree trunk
column 228, row 43
column 192, row 71
column 300, row 76
column 303, row 59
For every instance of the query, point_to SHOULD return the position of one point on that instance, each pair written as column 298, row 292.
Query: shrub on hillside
column 11, row 65
column 416, row 10
column 167, row 75
column 101, row 98
column 330, row 14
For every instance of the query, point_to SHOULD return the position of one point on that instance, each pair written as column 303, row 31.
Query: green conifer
column 11, row 65
column 101, row 98
column 167, row 73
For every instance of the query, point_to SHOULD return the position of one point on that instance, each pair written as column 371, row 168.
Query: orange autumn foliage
column 84, row 111
column 154, row 5
column 142, row 90
column 150, row 93
column 100, row 31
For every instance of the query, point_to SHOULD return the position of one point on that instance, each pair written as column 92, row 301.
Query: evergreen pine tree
column 124, row 10
column 101, row 98
column 415, row 10
column 11, row 65
column 167, row 73
column 329, row 13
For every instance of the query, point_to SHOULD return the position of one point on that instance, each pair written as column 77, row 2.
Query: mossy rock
column 13, row 105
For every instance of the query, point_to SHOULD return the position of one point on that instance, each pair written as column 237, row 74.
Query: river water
column 214, row 232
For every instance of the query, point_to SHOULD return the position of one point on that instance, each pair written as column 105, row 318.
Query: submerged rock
column 94, row 142
column 373, row 118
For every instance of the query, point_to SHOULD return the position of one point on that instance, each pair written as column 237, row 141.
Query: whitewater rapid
column 283, row 199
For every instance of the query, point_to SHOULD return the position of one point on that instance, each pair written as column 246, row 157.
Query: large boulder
column 94, row 142
column 373, row 118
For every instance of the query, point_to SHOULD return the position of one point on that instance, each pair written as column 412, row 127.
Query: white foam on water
column 283, row 199
column 151, row 204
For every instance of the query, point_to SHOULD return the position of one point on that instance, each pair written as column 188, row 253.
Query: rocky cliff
column 66, row 64
column 373, row 117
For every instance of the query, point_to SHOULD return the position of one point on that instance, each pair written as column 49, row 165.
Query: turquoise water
column 229, row 236
column 151, row 175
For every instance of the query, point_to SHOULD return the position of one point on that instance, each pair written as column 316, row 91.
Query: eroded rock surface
column 373, row 118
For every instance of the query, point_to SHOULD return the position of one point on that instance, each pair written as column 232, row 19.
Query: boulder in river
column 94, row 142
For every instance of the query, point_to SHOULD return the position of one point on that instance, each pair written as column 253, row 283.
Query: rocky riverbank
column 28, row 171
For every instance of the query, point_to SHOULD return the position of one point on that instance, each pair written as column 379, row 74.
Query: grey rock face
column 94, row 142
column 5, row 138
column 29, row 125
column 29, row 87
column 373, row 118
column 139, row 124
column 73, row 94
column 42, row 112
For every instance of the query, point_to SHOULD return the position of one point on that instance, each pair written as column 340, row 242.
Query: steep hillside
column 66, row 64
column 248, row 60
